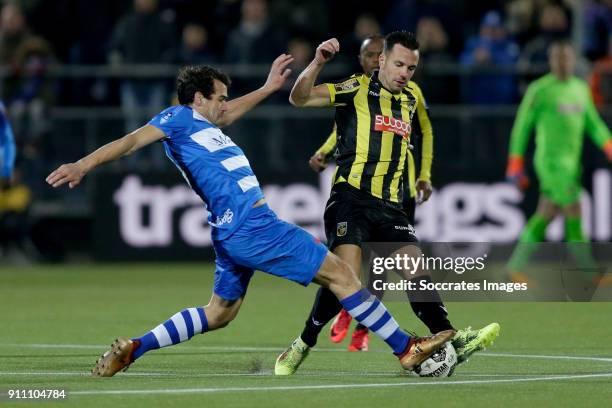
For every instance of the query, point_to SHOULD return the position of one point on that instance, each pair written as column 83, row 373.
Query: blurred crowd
column 477, row 35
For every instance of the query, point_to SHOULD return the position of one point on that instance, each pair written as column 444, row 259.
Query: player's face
column 562, row 60
column 397, row 67
column 369, row 55
column 214, row 107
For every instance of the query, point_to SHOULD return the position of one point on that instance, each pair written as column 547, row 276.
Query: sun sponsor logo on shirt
column 384, row 123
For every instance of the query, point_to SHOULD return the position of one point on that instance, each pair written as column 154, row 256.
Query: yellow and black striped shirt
column 373, row 133
column 423, row 128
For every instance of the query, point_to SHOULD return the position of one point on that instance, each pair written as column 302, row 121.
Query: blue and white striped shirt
column 214, row 167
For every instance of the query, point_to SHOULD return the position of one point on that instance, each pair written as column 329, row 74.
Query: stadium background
column 76, row 74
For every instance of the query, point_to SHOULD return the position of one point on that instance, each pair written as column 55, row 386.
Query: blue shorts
column 266, row 243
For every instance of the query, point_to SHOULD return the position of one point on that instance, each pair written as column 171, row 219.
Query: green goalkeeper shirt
column 560, row 111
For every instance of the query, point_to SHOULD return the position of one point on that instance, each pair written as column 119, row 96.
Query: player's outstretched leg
column 467, row 341
column 179, row 328
column 372, row 313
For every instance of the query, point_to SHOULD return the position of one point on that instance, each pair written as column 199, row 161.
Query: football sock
column 427, row 306
column 579, row 246
column 326, row 306
column 369, row 311
column 573, row 230
column 179, row 328
column 532, row 235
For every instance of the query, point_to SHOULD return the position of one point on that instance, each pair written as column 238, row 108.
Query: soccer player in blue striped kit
column 247, row 235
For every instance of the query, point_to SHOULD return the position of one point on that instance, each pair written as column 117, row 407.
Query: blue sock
column 179, row 328
column 370, row 312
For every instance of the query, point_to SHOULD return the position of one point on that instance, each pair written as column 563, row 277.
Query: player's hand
column 317, row 162
column 326, row 51
column 424, row 191
column 278, row 72
column 515, row 173
column 520, row 180
column 71, row 173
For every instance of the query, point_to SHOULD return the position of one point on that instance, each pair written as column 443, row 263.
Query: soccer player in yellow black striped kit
column 415, row 191
column 373, row 118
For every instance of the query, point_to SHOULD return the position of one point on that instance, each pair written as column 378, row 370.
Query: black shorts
column 409, row 205
column 352, row 217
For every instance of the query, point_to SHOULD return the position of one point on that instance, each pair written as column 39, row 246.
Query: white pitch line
column 277, row 349
column 334, row 386
column 265, row 373
column 603, row 359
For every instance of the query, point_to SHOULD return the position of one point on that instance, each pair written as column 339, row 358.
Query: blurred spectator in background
column 434, row 52
column 302, row 51
column 27, row 91
column 365, row 25
column 304, row 18
column 491, row 49
column 256, row 39
column 553, row 25
column 598, row 28
column 194, row 46
column 142, row 37
column 402, row 15
column 521, row 18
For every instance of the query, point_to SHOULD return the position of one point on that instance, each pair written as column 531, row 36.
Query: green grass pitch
column 56, row 320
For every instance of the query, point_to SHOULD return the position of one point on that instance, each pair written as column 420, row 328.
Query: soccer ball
column 442, row 363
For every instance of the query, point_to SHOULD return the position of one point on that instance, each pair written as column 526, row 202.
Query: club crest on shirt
column 341, row 229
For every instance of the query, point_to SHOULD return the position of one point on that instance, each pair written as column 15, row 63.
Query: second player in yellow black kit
column 374, row 124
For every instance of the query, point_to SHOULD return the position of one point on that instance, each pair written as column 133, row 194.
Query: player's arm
column 73, row 173
column 7, row 142
column 519, row 138
column 236, row 108
column 596, row 127
column 423, row 184
column 318, row 161
column 304, row 93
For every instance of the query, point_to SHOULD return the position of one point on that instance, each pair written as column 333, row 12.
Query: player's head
column 399, row 60
column 369, row 53
column 562, row 59
column 204, row 89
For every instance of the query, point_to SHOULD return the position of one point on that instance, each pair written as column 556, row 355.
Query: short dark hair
column 201, row 78
column 370, row 38
column 403, row 38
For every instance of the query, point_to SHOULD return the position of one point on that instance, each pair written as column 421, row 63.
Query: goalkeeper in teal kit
column 560, row 108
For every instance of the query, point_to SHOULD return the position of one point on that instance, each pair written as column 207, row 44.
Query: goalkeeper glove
column 515, row 172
